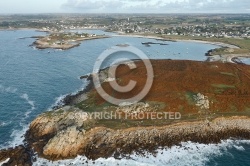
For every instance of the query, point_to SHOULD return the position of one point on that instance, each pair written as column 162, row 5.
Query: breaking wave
column 188, row 153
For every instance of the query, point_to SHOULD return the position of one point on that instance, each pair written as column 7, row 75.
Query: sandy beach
column 178, row 40
column 224, row 58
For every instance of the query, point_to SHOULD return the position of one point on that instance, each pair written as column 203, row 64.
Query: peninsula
column 212, row 97
column 64, row 40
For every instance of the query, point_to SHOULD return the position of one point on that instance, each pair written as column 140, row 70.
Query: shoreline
column 16, row 29
column 41, row 30
column 179, row 40
column 72, row 99
column 233, row 126
column 49, row 135
column 39, row 44
column 231, row 58
column 102, row 142
column 138, row 36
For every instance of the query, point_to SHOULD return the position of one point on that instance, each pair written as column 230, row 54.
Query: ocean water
column 228, row 153
column 32, row 81
column 245, row 60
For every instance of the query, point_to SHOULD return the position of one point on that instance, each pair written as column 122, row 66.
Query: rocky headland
column 70, row 139
column 64, row 41
column 213, row 99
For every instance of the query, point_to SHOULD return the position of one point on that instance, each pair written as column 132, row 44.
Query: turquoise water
column 32, row 81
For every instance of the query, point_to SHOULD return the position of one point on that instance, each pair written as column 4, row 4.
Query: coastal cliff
column 72, row 139
column 212, row 98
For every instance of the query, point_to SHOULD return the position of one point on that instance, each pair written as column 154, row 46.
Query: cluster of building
column 204, row 30
column 142, row 26
column 208, row 31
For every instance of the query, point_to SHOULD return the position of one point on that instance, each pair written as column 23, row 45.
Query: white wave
column 14, row 91
column 7, row 89
column 5, row 161
column 187, row 154
column 83, row 86
column 17, row 136
column 59, row 101
column 2, row 124
column 30, row 102
column 34, row 48
column 59, row 50
column 81, row 160
column 240, row 148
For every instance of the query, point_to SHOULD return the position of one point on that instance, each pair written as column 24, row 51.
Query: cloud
column 158, row 6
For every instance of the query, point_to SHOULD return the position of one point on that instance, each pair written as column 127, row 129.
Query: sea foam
column 188, row 153
column 30, row 102
column 17, row 135
column 7, row 89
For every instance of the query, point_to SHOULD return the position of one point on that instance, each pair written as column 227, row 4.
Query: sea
column 33, row 81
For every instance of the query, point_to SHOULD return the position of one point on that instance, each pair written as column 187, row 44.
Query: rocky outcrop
column 52, row 132
column 16, row 156
column 68, row 142
column 136, row 108
column 68, row 132
column 103, row 142
column 60, row 143
column 72, row 99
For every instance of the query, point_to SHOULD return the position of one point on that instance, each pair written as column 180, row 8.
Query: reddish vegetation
column 175, row 82
column 62, row 135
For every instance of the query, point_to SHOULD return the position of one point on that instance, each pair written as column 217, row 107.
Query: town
column 203, row 25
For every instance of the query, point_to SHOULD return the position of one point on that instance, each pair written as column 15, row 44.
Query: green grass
column 233, row 108
column 181, row 108
column 247, row 109
column 88, row 106
column 226, row 73
column 159, row 105
column 190, row 97
column 223, row 86
column 50, row 114
column 220, row 88
column 219, row 91
column 126, row 123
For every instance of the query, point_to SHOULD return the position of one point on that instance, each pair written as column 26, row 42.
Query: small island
column 65, row 40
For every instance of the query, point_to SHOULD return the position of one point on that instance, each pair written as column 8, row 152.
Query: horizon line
column 120, row 13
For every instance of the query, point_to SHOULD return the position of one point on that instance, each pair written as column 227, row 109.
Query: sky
column 124, row 6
